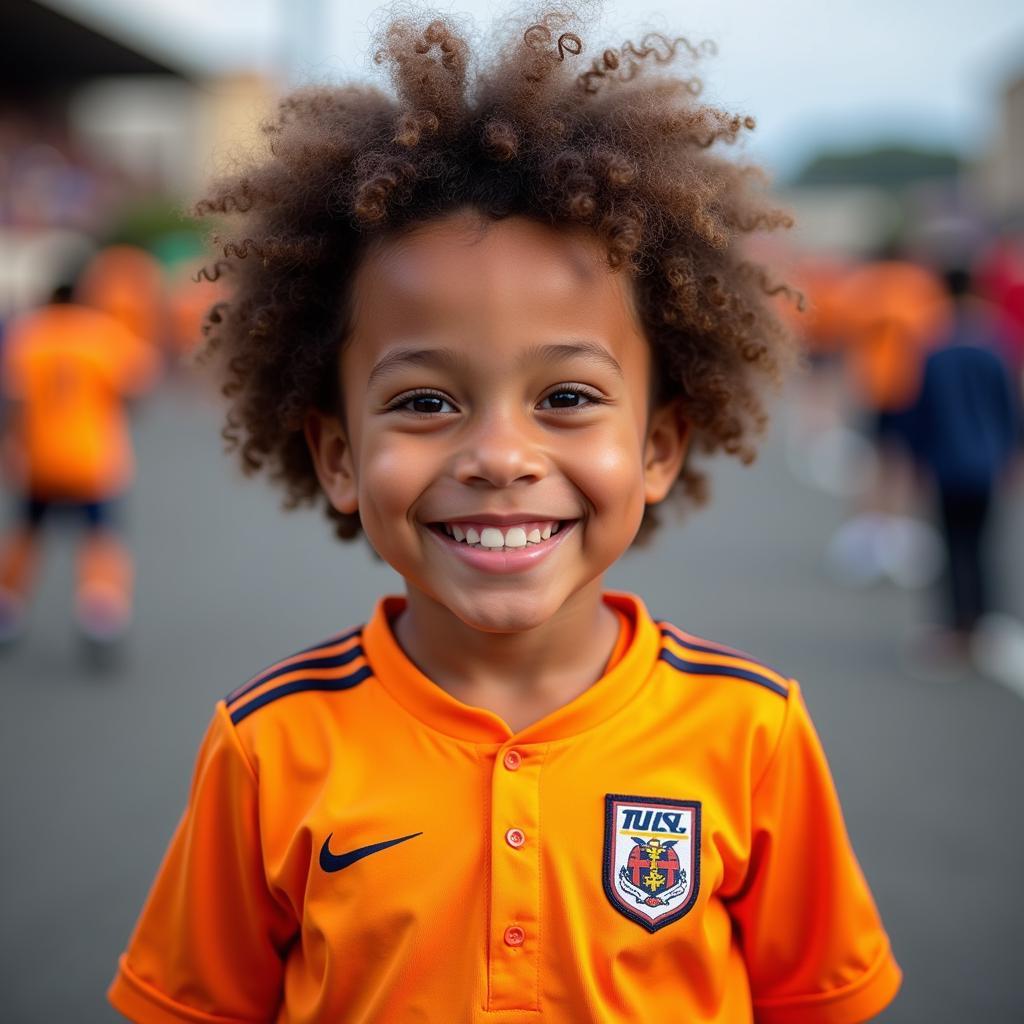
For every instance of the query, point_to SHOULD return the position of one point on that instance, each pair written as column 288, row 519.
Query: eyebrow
column 589, row 350
column 448, row 357
column 399, row 357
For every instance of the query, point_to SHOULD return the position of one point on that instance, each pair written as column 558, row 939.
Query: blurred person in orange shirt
column 889, row 312
column 820, row 447
column 66, row 373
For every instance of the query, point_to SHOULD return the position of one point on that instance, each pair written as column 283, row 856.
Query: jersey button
column 514, row 936
column 513, row 759
column 515, row 838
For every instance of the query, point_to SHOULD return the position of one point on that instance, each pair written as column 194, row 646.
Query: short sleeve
column 815, row 948
column 137, row 362
column 210, row 943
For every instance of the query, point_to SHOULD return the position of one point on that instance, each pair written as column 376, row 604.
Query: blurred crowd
column 70, row 368
column 47, row 181
column 910, row 410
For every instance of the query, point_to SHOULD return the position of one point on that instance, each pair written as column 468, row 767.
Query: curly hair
column 617, row 144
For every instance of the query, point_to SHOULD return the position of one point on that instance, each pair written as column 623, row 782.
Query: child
column 67, row 372
column 486, row 319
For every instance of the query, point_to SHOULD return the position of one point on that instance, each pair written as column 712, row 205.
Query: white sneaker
column 912, row 552
column 102, row 615
column 853, row 556
column 997, row 650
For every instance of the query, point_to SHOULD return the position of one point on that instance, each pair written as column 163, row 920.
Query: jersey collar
column 428, row 702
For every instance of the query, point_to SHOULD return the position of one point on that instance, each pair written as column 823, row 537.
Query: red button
column 514, row 837
column 514, row 936
column 513, row 759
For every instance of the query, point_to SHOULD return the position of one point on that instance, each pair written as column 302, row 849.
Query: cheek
column 392, row 475
column 609, row 473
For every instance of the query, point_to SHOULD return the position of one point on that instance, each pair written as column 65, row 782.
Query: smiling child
column 487, row 319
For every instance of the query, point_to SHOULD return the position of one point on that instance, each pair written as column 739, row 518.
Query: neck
column 546, row 663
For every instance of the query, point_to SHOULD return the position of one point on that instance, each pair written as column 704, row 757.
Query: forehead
column 494, row 283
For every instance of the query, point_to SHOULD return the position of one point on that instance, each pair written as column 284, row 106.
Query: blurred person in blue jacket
column 963, row 430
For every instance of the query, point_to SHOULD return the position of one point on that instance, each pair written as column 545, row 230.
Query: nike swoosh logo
column 335, row 862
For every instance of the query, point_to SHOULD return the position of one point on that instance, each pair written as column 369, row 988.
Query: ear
column 668, row 438
column 332, row 458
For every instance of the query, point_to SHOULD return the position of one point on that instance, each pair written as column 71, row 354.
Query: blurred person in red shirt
column 999, row 278
column 66, row 373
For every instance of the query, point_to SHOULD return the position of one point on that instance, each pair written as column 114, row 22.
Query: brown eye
column 426, row 403
column 565, row 399
column 571, row 398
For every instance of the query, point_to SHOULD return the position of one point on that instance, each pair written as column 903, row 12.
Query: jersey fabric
column 359, row 846
column 891, row 314
column 70, row 369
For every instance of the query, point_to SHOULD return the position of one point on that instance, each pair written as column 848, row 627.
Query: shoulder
column 286, row 687
column 735, row 703
column 976, row 354
column 733, row 688
column 700, row 659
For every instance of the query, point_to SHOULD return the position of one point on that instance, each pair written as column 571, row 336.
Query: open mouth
column 508, row 538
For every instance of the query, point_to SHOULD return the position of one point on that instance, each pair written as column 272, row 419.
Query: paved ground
column 94, row 766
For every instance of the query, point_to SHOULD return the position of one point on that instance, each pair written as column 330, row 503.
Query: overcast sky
column 813, row 72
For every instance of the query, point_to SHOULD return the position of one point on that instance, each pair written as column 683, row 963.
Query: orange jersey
column 890, row 314
column 359, row 846
column 70, row 368
column 820, row 325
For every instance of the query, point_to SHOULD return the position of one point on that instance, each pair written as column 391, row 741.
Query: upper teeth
column 492, row 537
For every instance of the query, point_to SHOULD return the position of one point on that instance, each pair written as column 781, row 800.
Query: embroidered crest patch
column 651, row 857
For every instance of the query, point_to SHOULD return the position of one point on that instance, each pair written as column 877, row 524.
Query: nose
column 500, row 450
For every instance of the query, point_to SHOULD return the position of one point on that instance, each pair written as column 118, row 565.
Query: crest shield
column 651, row 869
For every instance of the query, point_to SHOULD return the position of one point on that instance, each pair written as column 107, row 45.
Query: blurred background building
column 999, row 181
column 103, row 136
column 112, row 118
column 943, row 199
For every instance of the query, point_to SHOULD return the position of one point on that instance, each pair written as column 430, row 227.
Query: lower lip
column 501, row 560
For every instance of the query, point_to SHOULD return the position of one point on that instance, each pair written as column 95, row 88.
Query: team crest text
column 651, row 857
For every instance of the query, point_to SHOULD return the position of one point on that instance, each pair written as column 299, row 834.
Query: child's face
column 532, row 377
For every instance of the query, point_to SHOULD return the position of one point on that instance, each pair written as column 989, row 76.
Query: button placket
column 515, row 881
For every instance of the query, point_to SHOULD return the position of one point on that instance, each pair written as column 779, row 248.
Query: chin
column 506, row 613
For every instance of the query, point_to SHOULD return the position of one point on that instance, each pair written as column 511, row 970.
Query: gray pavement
column 94, row 765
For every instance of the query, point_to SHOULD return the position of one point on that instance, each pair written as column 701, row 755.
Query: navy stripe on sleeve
column 728, row 652
column 700, row 668
column 301, row 686
column 330, row 661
